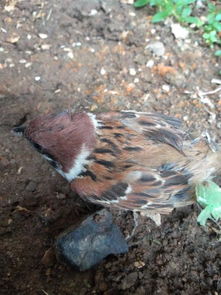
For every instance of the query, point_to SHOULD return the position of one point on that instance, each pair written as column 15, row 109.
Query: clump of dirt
column 95, row 55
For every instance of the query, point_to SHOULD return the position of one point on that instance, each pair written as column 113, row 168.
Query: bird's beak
column 19, row 130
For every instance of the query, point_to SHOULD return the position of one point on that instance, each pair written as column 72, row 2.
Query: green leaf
column 208, row 195
column 140, row 3
column 184, row 2
column 218, row 17
column 217, row 26
column 211, row 7
column 153, row 3
column 211, row 37
column 203, row 216
column 218, row 53
column 162, row 15
column 186, row 11
column 193, row 20
column 211, row 18
column 216, row 213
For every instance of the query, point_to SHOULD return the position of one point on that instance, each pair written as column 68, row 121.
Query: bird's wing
column 136, row 163
column 159, row 190
column 153, row 126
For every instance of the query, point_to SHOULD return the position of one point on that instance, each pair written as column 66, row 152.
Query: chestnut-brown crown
column 61, row 137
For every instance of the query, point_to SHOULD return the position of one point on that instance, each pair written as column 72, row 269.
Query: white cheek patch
column 78, row 166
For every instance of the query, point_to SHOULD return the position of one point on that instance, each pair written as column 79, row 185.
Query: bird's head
column 65, row 140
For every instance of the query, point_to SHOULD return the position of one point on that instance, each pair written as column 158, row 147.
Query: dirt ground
column 95, row 55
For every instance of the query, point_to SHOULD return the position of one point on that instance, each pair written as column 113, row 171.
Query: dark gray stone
column 94, row 239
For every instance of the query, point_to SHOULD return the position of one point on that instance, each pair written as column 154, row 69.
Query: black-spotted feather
column 153, row 190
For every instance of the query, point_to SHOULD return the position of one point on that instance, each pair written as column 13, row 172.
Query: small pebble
column 37, row 78
column 19, row 170
column 22, row 61
column 45, row 46
column 179, row 32
column 93, row 12
column 43, row 36
column 132, row 13
column 3, row 30
column 60, row 196
column 13, row 39
column 70, row 55
column 28, row 64
column 166, row 88
column 132, row 72
column 76, row 44
column 157, row 48
column 150, row 63
column 102, row 71
column 139, row 264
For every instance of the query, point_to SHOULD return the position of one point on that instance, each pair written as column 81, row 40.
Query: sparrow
column 138, row 161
